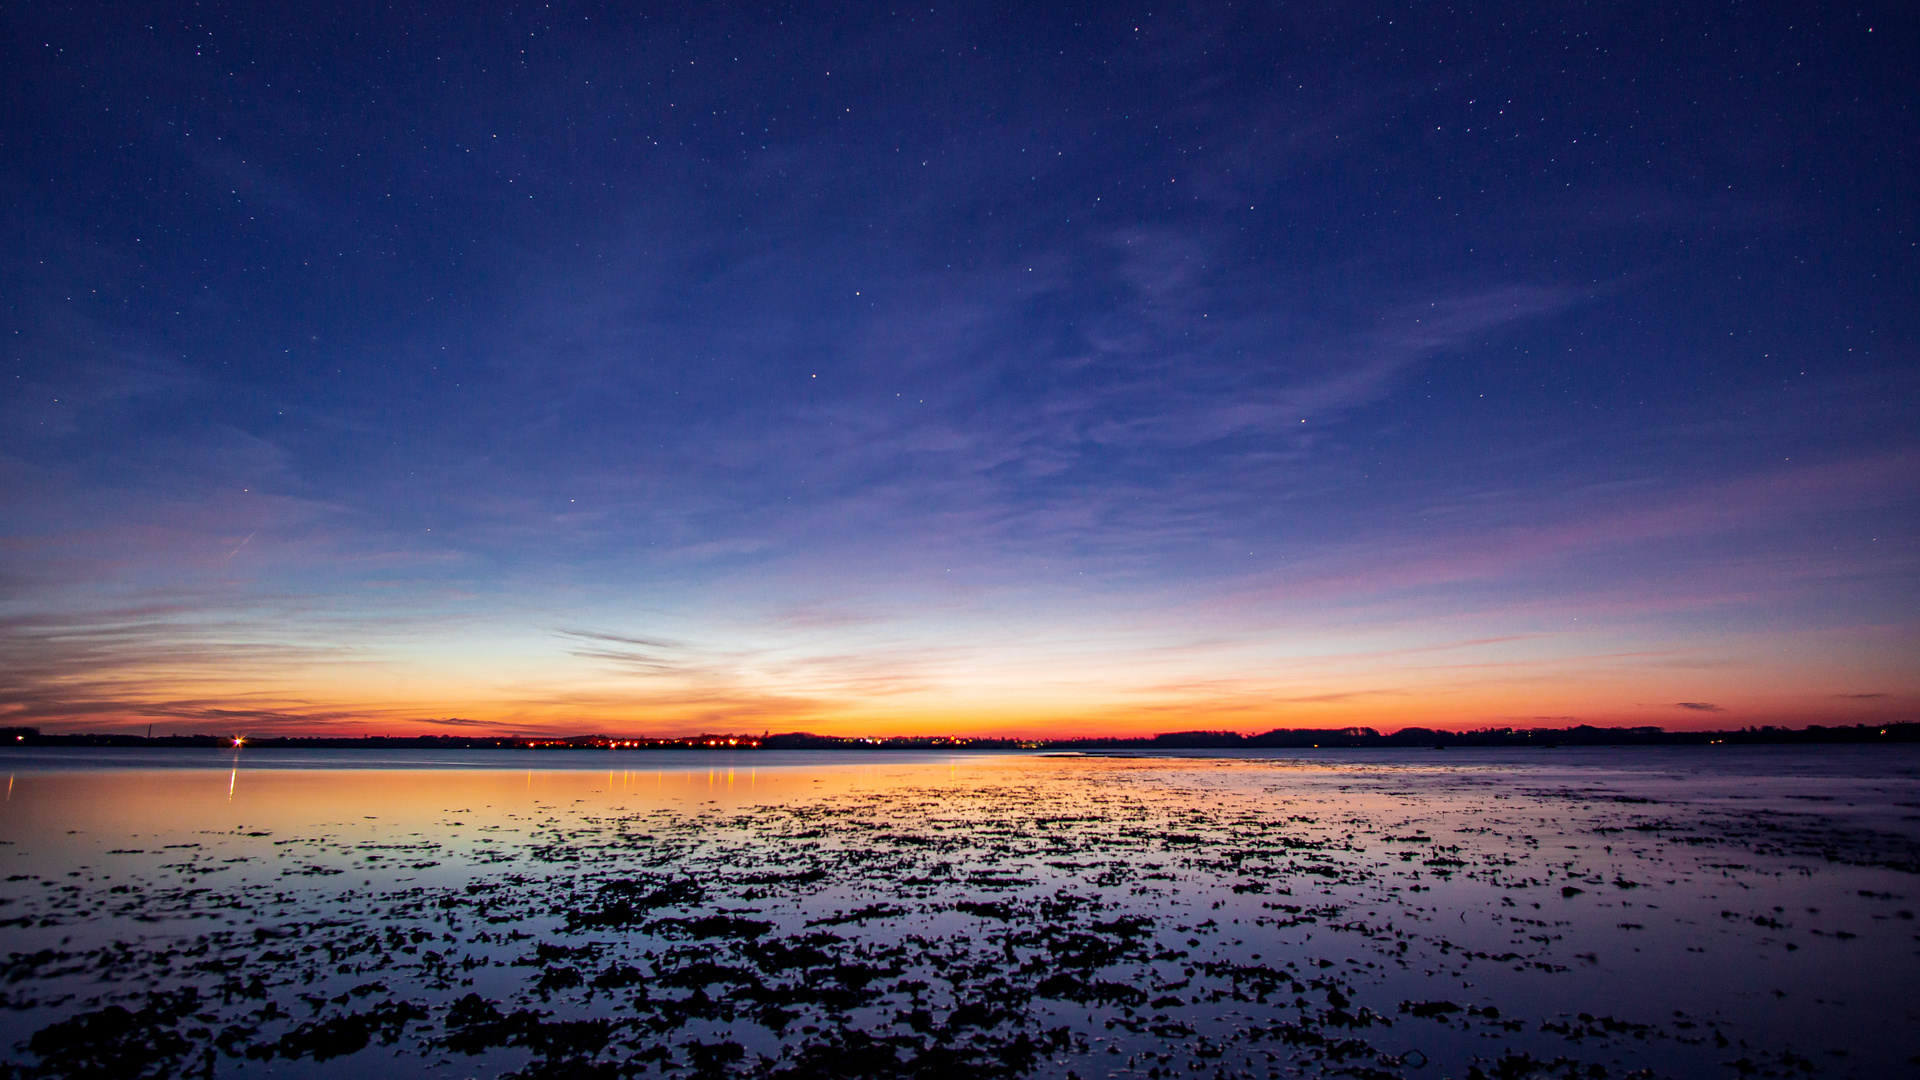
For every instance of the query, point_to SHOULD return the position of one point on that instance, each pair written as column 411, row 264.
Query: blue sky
column 1108, row 370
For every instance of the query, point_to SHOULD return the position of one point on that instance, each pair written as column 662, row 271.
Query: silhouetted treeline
column 1581, row 735
column 1284, row 739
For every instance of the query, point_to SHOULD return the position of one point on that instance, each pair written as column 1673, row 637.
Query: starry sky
column 979, row 369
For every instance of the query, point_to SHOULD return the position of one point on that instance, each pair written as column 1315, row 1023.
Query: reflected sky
column 1668, row 909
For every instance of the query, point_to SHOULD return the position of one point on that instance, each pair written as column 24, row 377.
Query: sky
column 879, row 369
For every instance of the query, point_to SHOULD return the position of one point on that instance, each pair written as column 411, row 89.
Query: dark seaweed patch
column 710, row 926
column 115, row 1043
column 338, row 1036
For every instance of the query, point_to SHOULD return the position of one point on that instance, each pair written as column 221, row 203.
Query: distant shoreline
column 1296, row 739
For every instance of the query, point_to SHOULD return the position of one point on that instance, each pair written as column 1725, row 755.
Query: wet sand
column 1579, row 913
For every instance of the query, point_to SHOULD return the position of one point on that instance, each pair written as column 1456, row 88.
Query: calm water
column 1688, row 912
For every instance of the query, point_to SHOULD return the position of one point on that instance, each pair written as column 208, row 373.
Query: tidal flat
column 1578, row 913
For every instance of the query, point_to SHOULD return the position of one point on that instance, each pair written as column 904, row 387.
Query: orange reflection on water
column 89, row 812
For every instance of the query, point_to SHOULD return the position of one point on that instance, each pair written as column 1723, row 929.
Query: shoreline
column 1411, row 738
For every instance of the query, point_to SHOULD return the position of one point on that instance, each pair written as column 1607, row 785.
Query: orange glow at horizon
column 1186, row 666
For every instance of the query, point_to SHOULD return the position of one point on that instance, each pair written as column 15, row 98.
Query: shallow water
column 1700, row 911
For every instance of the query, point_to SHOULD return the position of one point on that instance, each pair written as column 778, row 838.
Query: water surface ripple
column 1700, row 911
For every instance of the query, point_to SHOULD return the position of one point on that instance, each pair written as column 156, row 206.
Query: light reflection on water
column 1413, row 914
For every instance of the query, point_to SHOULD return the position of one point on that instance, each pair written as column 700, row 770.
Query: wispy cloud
column 266, row 660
